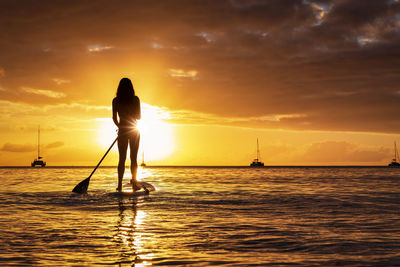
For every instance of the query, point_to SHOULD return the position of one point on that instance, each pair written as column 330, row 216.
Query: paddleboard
column 143, row 185
column 130, row 193
column 145, row 190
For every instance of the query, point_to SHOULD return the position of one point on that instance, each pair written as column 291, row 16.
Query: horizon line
column 203, row 166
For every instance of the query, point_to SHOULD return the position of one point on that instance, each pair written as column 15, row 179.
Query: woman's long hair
column 125, row 91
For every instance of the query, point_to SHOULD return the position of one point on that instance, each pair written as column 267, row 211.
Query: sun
column 156, row 135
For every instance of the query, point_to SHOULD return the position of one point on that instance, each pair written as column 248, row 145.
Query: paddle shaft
column 103, row 157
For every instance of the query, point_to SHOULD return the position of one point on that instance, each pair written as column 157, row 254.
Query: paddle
column 82, row 187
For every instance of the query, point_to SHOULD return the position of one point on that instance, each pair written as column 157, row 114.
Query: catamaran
column 395, row 160
column 38, row 161
column 256, row 162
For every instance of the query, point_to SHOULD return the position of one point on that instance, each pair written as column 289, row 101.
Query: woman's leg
column 134, row 146
column 122, row 147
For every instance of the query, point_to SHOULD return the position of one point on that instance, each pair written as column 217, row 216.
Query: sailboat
column 395, row 161
column 38, row 161
column 143, row 164
column 256, row 162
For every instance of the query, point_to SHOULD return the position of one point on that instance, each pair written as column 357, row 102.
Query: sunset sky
column 318, row 82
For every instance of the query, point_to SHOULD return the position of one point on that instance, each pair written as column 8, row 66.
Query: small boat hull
column 40, row 163
column 394, row 164
column 257, row 164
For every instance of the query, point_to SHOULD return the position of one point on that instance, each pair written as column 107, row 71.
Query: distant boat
column 256, row 162
column 143, row 164
column 38, row 161
column 395, row 161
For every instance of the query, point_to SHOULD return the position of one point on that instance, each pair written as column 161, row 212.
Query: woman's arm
column 114, row 112
column 138, row 111
column 138, row 115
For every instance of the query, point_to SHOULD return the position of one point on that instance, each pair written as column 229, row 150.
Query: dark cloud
column 9, row 147
column 334, row 62
column 357, row 13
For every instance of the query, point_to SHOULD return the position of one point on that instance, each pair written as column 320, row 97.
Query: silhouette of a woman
column 126, row 107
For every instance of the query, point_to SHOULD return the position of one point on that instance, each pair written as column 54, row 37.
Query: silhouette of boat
column 38, row 161
column 143, row 164
column 256, row 162
column 395, row 160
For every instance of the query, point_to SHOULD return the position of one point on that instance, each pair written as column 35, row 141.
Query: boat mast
column 142, row 157
column 38, row 149
column 396, row 154
column 258, row 151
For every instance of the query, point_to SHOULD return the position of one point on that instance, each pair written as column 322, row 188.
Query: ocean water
column 202, row 217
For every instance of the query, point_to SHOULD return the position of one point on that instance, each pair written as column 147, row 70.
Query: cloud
column 156, row 45
column 341, row 152
column 193, row 117
column 79, row 107
column 182, row 73
column 55, row 144
column 331, row 61
column 208, row 37
column 320, row 11
column 364, row 41
column 9, row 147
column 325, row 153
column 61, row 81
column 98, row 48
column 23, row 114
column 48, row 93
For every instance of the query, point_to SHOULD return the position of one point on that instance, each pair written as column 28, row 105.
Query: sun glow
column 156, row 135
column 107, row 132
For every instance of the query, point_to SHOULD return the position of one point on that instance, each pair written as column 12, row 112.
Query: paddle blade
column 82, row 187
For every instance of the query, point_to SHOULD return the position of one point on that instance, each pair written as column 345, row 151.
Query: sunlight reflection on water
column 129, row 234
column 203, row 216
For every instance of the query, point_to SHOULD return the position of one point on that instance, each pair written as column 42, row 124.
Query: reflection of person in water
column 126, row 110
column 125, row 233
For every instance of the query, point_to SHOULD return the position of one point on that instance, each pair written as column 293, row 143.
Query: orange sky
column 316, row 82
